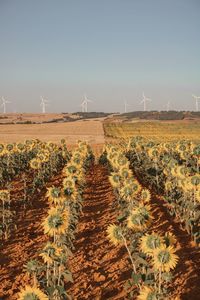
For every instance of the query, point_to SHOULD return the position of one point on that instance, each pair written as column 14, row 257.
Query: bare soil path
column 99, row 269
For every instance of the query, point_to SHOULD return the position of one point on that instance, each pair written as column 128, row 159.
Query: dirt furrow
column 99, row 269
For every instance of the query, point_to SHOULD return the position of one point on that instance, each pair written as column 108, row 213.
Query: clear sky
column 109, row 49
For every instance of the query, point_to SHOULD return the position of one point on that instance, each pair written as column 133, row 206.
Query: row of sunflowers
column 172, row 170
column 151, row 254
column 36, row 162
column 15, row 158
column 49, row 274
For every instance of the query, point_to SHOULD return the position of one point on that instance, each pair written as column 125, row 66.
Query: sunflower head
column 55, row 195
column 32, row 266
column 114, row 234
column 196, row 150
column 10, row 147
column 140, row 218
column 126, row 192
column 4, row 195
column 181, row 171
column 169, row 239
column 168, row 185
column 145, row 195
column 147, row 293
column 150, row 242
column 31, row 293
column 114, row 179
column 2, row 147
column 195, row 181
column 50, row 253
column 125, row 172
column 35, row 164
column 57, row 222
column 197, row 195
column 153, row 153
column 164, row 258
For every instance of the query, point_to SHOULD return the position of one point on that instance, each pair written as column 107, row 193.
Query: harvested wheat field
column 91, row 131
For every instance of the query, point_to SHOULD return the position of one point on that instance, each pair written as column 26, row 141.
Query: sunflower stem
column 160, row 281
column 130, row 256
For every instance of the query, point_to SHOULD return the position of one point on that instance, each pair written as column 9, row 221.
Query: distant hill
column 161, row 115
column 91, row 115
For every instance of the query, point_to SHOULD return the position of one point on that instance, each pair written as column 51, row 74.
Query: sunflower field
column 118, row 222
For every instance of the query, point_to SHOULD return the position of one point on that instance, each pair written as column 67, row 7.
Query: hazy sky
column 109, row 49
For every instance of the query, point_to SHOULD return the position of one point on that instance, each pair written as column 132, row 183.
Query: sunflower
column 168, row 185
column 125, row 172
column 55, row 195
column 140, row 218
column 153, row 153
column 181, row 147
column 10, row 147
column 181, row 171
column 70, row 193
column 35, row 164
column 164, row 258
column 145, row 195
column 2, row 147
column 114, row 234
column 126, row 192
column 174, row 171
column 194, row 181
column 184, row 154
column 4, row 195
column 147, row 293
column 115, row 179
column 169, row 239
column 50, row 253
column 71, row 168
column 196, row 150
column 31, row 293
column 150, row 242
column 136, row 187
column 197, row 195
column 122, row 161
column 56, row 222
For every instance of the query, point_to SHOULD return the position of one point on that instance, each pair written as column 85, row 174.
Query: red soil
column 99, row 269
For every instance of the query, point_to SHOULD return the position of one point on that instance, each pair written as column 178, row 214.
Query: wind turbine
column 125, row 106
column 84, row 104
column 144, row 100
column 197, row 103
column 43, row 104
column 4, row 102
column 168, row 106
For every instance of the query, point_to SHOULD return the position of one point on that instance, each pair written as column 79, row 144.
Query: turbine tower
column 84, row 104
column 3, row 104
column 144, row 100
column 125, row 106
column 43, row 104
column 168, row 106
column 197, row 103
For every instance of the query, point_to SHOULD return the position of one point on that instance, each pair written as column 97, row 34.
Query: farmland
column 100, row 210
column 165, row 130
